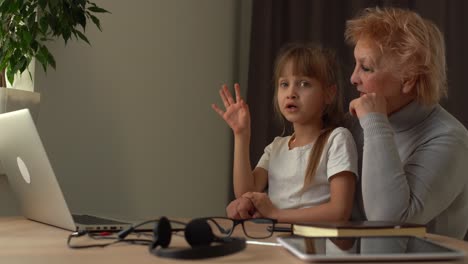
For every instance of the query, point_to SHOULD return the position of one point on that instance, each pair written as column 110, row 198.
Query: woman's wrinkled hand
column 368, row 103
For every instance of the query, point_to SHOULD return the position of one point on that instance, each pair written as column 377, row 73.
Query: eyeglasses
column 253, row 228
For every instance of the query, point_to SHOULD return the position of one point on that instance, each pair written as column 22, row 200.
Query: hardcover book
column 361, row 228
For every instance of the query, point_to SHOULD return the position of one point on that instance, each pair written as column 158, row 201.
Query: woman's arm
column 416, row 190
column 339, row 207
column 430, row 178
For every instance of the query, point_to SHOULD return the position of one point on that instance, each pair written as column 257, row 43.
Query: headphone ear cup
column 199, row 233
column 162, row 233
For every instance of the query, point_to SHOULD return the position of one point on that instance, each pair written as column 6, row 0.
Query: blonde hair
column 415, row 44
column 319, row 63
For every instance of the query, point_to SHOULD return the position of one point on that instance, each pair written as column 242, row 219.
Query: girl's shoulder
column 280, row 140
column 278, row 143
column 340, row 133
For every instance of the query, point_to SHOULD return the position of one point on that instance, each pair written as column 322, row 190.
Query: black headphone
column 199, row 235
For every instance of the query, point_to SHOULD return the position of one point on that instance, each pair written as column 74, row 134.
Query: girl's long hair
column 314, row 62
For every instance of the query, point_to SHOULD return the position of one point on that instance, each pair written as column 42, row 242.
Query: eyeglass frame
column 236, row 222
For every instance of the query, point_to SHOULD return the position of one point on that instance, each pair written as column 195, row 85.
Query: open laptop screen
column 32, row 178
column 29, row 172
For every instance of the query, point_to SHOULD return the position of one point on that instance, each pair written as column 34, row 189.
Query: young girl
column 310, row 175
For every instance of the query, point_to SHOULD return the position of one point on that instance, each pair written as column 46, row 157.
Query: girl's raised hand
column 237, row 114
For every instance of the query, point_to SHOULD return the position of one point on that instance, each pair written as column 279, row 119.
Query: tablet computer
column 354, row 249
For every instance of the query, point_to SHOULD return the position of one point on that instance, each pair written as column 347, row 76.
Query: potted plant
column 26, row 25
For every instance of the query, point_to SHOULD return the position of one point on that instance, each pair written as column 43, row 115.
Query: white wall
column 127, row 121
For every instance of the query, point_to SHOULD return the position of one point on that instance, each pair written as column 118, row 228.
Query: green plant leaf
column 66, row 35
column 82, row 36
column 81, row 18
column 44, row 25
column 31, row 19
column 21, row 65
column 14, row 6
column 34, row 46
column 26, row 25
column 5, row 6
column 41, row 56
column 26, row 38
column 10, row 75
column 42, row 3
column 80, row 2
column 20, row 2
column 54, row 4
column 96, row 21
column 97, row 9
column 50, row 59
column 53, row 23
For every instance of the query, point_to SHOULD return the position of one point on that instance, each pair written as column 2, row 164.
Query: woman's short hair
column 415, row 44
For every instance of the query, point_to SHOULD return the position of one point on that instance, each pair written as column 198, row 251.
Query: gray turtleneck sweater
column 414, row 168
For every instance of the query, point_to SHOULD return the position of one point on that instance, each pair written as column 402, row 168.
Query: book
column 356, row 229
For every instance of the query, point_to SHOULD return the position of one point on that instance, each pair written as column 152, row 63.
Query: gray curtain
column 276, row 22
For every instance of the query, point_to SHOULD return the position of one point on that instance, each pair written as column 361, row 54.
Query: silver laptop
column 32, row 179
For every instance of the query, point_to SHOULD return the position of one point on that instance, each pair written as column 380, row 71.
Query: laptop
column 32, row 179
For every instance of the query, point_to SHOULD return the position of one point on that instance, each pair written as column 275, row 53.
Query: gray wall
column 127, row 121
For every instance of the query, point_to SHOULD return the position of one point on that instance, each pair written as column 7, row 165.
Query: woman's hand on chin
column 368, row 103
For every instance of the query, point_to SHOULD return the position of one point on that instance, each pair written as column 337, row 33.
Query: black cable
column 73, row 235
column 120, row 238
column 102, row 245
column 124, row 233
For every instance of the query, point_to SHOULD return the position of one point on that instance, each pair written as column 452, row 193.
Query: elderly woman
column 414, row 153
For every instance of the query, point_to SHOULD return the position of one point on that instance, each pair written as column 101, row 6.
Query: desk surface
column 24, row 241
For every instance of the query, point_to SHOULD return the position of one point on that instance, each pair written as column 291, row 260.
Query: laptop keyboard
column 93, row 220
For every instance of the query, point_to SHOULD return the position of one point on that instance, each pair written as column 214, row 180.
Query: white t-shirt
column 286, row 169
